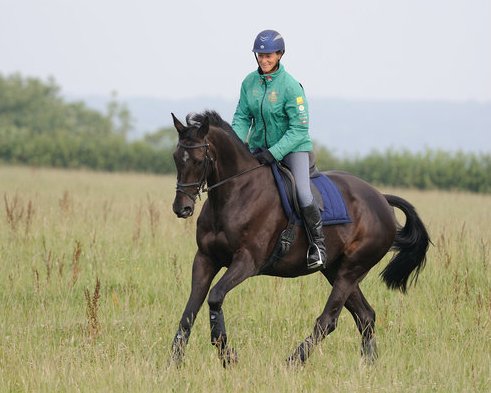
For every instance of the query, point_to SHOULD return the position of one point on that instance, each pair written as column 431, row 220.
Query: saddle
column 326, row 194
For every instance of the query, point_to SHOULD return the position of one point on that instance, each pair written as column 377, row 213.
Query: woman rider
column 272, row 117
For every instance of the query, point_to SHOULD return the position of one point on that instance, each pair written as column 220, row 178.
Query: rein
column 200, row 185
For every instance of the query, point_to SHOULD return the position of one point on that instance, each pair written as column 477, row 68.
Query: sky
column 351, row 49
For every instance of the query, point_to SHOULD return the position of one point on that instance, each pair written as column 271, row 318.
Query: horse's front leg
column 203, row 273
column 241, row 268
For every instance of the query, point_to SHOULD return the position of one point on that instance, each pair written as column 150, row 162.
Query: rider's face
column 268, row 62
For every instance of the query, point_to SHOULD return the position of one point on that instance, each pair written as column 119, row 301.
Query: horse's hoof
column 301, row 354
column 293, row 362
column 369, row 352
column 369, row 358
column 176, row 361
column 229, row 357
column 177, row 355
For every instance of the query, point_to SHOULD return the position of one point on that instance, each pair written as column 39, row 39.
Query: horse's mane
column 195, row 119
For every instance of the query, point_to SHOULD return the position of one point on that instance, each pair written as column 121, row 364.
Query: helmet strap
column 258, row 66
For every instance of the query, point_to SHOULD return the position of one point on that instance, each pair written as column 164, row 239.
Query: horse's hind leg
column 364, row 317
column 327, row 321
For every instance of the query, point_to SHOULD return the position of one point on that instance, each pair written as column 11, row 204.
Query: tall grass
column 95, row 273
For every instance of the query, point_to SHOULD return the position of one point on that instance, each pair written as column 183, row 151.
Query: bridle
column 200, row 185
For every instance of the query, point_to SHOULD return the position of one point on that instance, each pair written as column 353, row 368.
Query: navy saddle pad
column 333, row 208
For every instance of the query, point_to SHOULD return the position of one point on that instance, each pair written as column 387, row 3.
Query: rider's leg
column 298, row 163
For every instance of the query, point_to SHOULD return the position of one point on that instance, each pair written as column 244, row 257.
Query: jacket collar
column 272, row 76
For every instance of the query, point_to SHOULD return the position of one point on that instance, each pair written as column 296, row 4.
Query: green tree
column 119, row 116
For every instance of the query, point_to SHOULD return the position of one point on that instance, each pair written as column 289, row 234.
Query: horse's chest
column 215, row 243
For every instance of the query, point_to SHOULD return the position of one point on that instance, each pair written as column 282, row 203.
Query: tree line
column 40, row 128
column 431, row 169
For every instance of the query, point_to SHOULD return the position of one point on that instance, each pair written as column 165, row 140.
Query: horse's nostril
column 182, row 210
column 185, row 212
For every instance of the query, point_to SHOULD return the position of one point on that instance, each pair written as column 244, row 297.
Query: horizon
column 346, row 127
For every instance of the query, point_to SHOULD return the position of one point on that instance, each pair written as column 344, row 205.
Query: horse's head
column 193, row 163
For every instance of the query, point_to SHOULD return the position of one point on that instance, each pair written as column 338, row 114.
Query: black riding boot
column 316, row 255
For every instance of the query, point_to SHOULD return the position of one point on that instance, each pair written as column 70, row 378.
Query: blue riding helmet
column 269, row 41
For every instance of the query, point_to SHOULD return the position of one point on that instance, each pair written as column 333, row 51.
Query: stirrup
column 315, row 265
column 319, row 264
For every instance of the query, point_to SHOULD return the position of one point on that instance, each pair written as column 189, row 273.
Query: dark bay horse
column 243, row 217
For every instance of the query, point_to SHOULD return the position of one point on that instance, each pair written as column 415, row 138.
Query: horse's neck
column 249, row 189
column 234, row 168
column 231, row 157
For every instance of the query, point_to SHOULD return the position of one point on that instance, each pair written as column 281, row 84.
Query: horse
column 242, row 218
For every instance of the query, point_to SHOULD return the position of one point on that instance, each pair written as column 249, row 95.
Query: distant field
column 95, row 272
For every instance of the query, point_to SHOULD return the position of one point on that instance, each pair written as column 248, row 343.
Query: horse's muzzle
column 183, row 210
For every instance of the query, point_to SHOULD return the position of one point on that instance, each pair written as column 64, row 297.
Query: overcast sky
column 356, row 49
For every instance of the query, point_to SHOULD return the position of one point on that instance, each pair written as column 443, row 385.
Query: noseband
column 199, row 185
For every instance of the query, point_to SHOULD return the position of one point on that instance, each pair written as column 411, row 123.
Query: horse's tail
column 411, row 243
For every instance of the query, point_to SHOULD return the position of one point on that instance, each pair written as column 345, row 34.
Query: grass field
column 95, row 272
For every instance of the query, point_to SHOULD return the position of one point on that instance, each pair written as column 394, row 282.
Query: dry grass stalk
column 65, row 202
column 61, row 265
column 36, row 280
column 138, row 224
column 14, row 211
column 29, row 216
column 92, row 308
column 485, row 253
column 106, row 209
column 76, row 262
column 177, row 267
column 154, row 215
column 48, row 262
column 443, row 245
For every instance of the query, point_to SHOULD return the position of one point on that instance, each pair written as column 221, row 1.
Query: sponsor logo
column 299, row 100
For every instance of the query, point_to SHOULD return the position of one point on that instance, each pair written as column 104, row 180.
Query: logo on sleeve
column 299, row 100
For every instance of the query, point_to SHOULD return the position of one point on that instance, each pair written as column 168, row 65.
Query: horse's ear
column 179, row 126
column 204, row 127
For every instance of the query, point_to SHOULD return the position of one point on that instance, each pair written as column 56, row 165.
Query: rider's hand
column 264, row 157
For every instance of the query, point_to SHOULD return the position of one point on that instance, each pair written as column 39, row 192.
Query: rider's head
column 268, row 48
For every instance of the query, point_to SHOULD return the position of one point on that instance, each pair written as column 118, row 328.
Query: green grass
column 60, row 231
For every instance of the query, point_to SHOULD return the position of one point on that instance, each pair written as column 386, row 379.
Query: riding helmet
column 269, row 41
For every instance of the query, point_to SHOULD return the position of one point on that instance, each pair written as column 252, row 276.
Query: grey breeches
column 298, row 162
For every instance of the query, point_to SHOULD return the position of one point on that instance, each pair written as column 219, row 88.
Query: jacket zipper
column 262, row 115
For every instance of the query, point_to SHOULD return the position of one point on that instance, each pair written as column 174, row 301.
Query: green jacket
column 273, row 113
